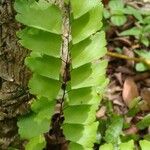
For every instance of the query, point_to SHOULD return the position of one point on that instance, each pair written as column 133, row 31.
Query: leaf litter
column 128, row 93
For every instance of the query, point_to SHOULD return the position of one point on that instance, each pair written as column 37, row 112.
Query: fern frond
column 87, row 24
column 145, row 145
column 87, row 44
column 43, row 37
column 87, row 74
column 40, row 15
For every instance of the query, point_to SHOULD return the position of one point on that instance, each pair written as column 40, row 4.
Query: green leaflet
column 145, row 145
column 39, row 104
column 129, row 145
column 87, row 24
column 84, row 135
column 44, row 87
column 90, row 49
column 38, row 122
column 40, row 41
column 47, row 64
column 44, row 108
column 83, row 7
column 94, row 74
column 83, row 96
column 123, row 146
column 36, row 143
column 40, row 15
column 73, row 114
column 106, row 147
column 30, row 126
column 75, row 146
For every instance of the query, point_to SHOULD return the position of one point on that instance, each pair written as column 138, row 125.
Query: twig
column 121, row 56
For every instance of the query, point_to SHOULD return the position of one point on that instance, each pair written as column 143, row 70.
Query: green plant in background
column 123, row 146
column 145, row 55
column 112, row 135
column 116, row 140
column 142, row 29
column 144, row 145
column 144, row 123
column 140, row 32
column 116, row 12
column 80, row 95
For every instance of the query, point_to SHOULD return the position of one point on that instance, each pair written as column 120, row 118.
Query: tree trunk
column 14, row 77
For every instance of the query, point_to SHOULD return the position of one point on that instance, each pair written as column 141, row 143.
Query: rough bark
column 14, row 77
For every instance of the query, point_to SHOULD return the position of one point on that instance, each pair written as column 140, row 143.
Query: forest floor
column 128, row 44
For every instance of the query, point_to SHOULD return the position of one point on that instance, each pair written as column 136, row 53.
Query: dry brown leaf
column 101, row 112
column 129, row 53
column 125, row 70
column 119, row 77
column 145, row 94
column 132, row 130
column 122, row 41
column 130, row 91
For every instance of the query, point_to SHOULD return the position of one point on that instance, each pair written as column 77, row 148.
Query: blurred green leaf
column 141, row 67
column 143, row 53
column 145, row 41
column 12, row 148
column 114, row 130
column 146, row 30
column 145, row 145
column 135, row 31
column 126, row 138
column 147, row 20
column 36, row 143
column 144, row 123
column 118, row 20
column 147, row 137
column 135, row 12
column 127, row 146
column 116, row 5
column 106, row 147
column 106, row 13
